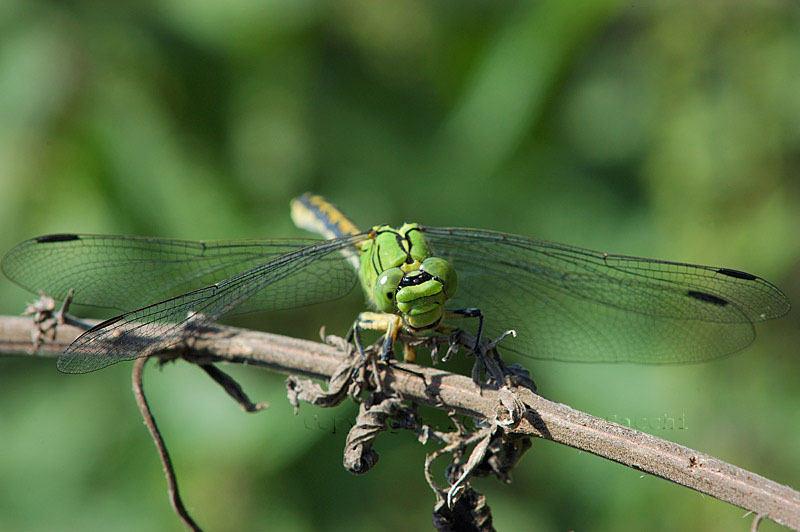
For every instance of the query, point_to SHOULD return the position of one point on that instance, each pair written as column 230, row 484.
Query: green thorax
column 400, row 276
column 391, row 248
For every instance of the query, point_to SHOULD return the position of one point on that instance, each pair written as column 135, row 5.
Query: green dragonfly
column 565, row 303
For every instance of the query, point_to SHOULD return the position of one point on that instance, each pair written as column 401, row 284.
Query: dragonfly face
column 400, row 277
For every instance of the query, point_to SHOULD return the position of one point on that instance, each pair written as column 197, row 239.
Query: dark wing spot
column 708, row 298
column 737, row 274
column 104, row 324
column 57, row 238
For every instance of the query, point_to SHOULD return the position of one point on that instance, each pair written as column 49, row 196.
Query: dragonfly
column 565, row 303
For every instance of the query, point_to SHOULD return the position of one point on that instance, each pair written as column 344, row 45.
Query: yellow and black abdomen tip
column 316, row 214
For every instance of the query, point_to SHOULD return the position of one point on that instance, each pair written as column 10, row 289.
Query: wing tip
column 70, row 364
column 73, row 363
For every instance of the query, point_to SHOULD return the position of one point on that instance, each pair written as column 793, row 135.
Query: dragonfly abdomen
column 318, row 215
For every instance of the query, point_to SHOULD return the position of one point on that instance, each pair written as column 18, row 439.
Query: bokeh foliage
column 665, row 129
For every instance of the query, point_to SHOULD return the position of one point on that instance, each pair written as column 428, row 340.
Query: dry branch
column 440, row 389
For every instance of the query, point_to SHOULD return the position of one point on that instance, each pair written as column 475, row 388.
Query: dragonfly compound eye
column 385, row 289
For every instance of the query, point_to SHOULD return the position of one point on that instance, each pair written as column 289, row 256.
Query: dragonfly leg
column 354, row 335
column 470, row 313
column 378, row 321
column 374, row 321
column 485, row 352
column 453, row 343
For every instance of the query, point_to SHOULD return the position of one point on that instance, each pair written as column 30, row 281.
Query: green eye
column 443, row 271
column 385, row 289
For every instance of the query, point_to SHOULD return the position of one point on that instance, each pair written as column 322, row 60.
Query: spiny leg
column 469, row 313
column 454, row 333
column 376, row 322
column 392, row 325
column 486, row 356
column 379, row 321
column 354, row 335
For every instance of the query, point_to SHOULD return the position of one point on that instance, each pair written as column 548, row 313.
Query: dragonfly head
column 417, row 291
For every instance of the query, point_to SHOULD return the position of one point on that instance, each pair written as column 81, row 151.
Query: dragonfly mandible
column 566, row 303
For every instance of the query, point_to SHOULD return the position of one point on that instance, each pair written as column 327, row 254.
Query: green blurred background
column 664, row 129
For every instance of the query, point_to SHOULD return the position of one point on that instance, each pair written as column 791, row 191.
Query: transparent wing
column 306, row 275
column 124, row 272
column 573, row 304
